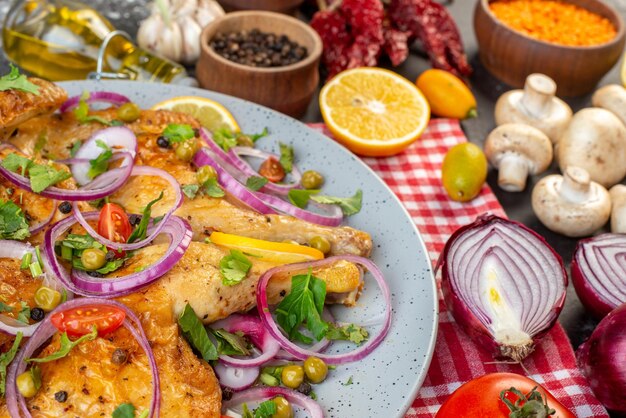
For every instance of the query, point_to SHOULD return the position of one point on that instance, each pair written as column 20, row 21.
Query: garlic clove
column 149, row 32
column 191, row 39
column 208, row 11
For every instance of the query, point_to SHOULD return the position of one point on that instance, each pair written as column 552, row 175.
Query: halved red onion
column 15, row 401
column 110, row 97
column 153, row 232
column 236, row 378
column 602, row 359
column 118, row 138
column 80, row 282
column 503, row 283
column 302, row 353
column 253, row 328
column 260, row 394
column 599, row 272
column 240, row 164
column 38, row 227
column 205, row 156
column 334, row 217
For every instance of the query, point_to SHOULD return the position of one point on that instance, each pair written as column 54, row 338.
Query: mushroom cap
column 612, row 98
column 523, row 140
column 596, row 141
column 570, row 218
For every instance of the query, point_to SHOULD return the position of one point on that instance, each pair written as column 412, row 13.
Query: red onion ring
column 79, row 282
column 302, row 353
column 34, row 229
column 154, row 232
column 333, row 219
column 98, row 96
column 236, row 378
column 15, row 401
column 599, row 273
column 259, row 394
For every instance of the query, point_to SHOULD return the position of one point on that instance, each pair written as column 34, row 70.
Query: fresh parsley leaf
column 234, row 268
column 42, row 139
column 44, row 176
column 66, row 346
column 111, row 266
column 212, row 188
column 230, row 344
column 75, row 147
column 82, row 112
column 16, row 81
column 255, row 182
column 266, row 409
column 6, row 359
column 286, row 157
column 191, row 190
column 116, row 122
column 303, row 306
column 348, row 205
column 300, row 197
column 225, row 138
column 256, row 137
column 80, row 242
column 349, row 332
column 196, row 334
column 348, row 382
column 5, row 308
column 100, row 164
column 141, row 230
column 13, row 224
column 125, row 410
column 24, row 313
column 14, row 162
column 176, row 132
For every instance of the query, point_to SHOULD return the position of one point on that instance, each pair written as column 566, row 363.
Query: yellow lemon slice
column 374, row 112
column 211, row 114
column 273, row 252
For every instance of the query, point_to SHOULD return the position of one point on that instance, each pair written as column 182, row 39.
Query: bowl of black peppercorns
column 264, row 57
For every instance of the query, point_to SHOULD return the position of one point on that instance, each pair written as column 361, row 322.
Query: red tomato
column 481, row 397
column 113, row 224
column 79, row 321
column 272, row 170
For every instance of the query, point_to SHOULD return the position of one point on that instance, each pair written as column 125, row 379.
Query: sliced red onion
column 104, row 185
column 240, row 164
column 110, row 97
column 504, row 285
column 80, row 282
column 252, row 327
column 333, row 219
column 118, row 138
column 602, row 359
column 260, row 394
column 599, row 273
column 153, row 232
column 34, row 229
column 15, row 401
column 302, row 353
column 205, row 156
column 236, row 378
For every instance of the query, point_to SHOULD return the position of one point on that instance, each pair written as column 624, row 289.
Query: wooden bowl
column 280, row 6
column 288, row 89
column 511, row 56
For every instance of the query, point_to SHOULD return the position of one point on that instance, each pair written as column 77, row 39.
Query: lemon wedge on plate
column 374, row 112
column 211, row 114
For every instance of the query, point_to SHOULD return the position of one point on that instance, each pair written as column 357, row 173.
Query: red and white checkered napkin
column 415, row 176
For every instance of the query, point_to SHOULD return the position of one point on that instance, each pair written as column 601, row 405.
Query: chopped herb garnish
column 255, row 182
column 175, row 132
column 349, row 205
column 226, row 138
column 35, row 269
column 230, row 344
column 266, row 409
column 191, row 190
column 348, row 382
column 75, row 147
column 234, row 268
column 300, row 197
column 212, row 188
column 286, row 157
column 13, row 224
column 125, row 410
column 6, row 359
column 303, row 306
column 72, row 248
column 16, row 81
column 196, row 334
column 141, row 230
column 14, row 162
column 80, row 242
column 82, row 112
column 111, row 266
column 256, row 137
column 42, row 139
column 26, row 260
column 24, row 314
column 5, row 308
column 66, row 345
column 100, row 164
column 44, row 176
column 349, row 332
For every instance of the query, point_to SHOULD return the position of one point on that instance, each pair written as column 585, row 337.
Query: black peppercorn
column 37, row 314
column 134, row 219
column 110, row 256
column 65, row 207
column 304, row 388
column 95, row 274
column 119, row 356
column 227, row 394
column 60, row 396
column 163, row 142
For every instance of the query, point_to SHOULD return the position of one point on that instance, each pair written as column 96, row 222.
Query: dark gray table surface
column 126, row 13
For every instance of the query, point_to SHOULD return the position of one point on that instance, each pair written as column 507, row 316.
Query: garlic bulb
column 173, row 29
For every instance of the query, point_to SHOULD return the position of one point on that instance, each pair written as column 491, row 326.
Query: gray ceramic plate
column 384, row 383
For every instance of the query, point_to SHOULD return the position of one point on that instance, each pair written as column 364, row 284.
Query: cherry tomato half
column 481, row 397
column 272, row 170
column 113, row 224
column 80, row 321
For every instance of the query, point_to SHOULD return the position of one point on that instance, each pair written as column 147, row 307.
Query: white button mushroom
column 596, row 141
column 571, row 204
column 618, row 212
column 613, row 99
column 517, row 150
column 536, row 106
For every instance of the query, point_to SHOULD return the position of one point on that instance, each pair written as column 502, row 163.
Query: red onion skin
column 602, row 359
column 459, row 309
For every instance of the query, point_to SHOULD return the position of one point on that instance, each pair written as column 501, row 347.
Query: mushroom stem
column 576, row 185
column 539, row 90
column 513, row 172
column 618, row 212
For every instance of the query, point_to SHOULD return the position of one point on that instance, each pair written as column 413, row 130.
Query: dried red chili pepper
column 396, row 44
column 365, row 20
column 332, row 28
